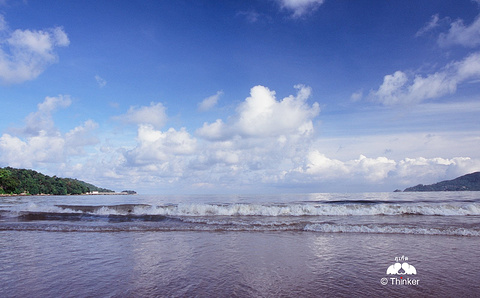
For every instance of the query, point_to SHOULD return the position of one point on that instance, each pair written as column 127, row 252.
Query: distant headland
column 29, row 182
column 469, row 182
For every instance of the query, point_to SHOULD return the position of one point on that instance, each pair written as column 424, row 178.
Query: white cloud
column 300, row 7
column 155, row 146
column 41, row 120
column 261, row 115
column 154, row 115
column 214, row 131
column 371, row 169
column 397, row 146
column 60, row 38
column 467, row 69
column 356, row 96
column 432, row 24
column 42, row 148
column 392, row 90
column 25, row 54
column 459, row 34
column 405, row 172
column 43, row 143
column 50, row 104
column 100, row 81
column 412, row 171
column 3, row 23
column 399, row 89
column 81, row 136
column 209, row 102
column 319, row 164
column 232, row 157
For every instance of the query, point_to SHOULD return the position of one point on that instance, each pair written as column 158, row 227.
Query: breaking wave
column 275, row 210
column 376, row 229
column 379, row 217
column 357, row 209
column 244, row 227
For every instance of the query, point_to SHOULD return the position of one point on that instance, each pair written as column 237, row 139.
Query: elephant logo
column 409, row 269
column 393, row 269
column 400, row 269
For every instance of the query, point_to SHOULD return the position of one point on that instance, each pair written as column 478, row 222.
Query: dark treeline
column 17, row 181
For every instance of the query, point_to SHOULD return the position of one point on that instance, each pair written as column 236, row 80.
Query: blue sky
column 241, row 96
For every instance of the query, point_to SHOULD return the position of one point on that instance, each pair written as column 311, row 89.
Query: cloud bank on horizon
column 405, row 130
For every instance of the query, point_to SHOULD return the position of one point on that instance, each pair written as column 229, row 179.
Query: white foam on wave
column 375, row 229
column 308, row 210
column 242, row 222
column 33, row 207
column 270, row 210
column 105, row 210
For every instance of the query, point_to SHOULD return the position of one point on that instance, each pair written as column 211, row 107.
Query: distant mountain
column 18, row 181
column 469, row 182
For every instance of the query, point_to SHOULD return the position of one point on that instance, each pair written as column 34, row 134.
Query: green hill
column 467, row 182
column 17, row 181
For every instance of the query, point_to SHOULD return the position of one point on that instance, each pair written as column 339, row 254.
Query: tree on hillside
column 16, row 181
column 8, row 183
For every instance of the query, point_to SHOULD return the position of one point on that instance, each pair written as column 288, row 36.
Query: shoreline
column 83, row 194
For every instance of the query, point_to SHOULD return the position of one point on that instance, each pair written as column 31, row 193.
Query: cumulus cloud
column 300, row 8
column 318, row 164
column 41, row 120
column 260, row 143
column 25, row 54
column 42, row 148
column 461, row 34
column 407, row 171
column 173, row 158
column 160, row 157
column 399, row 88
column 80, row 137
column 234, row 156
column 262, row 115
column 434, row 169
column 45, row 148
column 209, row 102
column 42, row 142
column 154, row 115
column 155, row 146
column 371, row 169
column 213, row 131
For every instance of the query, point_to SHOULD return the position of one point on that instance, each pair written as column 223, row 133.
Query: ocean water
column 303, row 245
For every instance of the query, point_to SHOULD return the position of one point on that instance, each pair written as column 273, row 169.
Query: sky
column 254, row 96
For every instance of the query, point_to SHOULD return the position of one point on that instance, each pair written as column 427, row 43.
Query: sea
column 422, row 244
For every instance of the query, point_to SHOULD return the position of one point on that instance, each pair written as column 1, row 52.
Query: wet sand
column 232, row 264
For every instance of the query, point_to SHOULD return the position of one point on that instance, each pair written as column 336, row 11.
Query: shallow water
column 112, row 251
